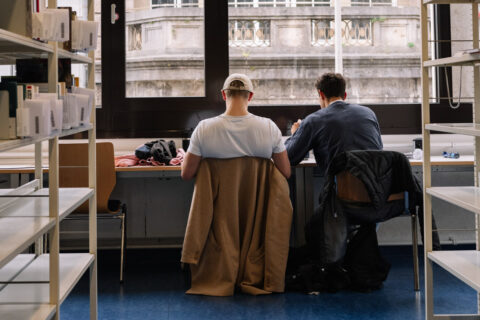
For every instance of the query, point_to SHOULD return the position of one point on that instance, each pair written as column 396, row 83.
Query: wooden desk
column 7, row 169
column 436, row 161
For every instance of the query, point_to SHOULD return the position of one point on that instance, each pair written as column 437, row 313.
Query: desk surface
column 436, row 161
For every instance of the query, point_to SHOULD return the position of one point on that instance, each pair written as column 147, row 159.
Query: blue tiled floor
column 154, row 289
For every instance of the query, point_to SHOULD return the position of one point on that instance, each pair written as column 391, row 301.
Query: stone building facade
column 282, row 48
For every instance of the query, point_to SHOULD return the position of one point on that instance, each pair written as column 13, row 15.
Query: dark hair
column 331, row 84
column 236, row 93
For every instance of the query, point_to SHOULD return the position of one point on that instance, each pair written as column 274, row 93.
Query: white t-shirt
column 231, row 137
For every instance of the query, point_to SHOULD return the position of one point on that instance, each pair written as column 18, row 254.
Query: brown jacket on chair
column 239, row 228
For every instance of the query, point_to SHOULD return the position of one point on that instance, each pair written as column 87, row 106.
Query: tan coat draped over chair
column 238, row 229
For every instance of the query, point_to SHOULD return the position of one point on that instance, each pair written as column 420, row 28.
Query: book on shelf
column 12, row 96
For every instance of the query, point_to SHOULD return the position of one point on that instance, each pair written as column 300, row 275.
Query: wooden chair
column 352, row 190
column 73, row 162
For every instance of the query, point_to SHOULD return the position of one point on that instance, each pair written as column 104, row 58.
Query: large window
column 164, row 49
column 379, row 38
column 167, row 59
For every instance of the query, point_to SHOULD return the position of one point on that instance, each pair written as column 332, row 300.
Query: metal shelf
column 463, row 264
column 14, row 46
column 13, row 268
column 464, row 60
column 27, row 219
column 466, row 197
column 72, row 267
column 6, row 145
column 16, row 234
column 27, row 311
column 469, row 129
column 76, row 58
column 69, row 200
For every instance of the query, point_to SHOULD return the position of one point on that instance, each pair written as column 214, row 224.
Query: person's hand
column 295, row 126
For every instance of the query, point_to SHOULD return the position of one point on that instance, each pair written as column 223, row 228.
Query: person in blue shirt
column 338, row 126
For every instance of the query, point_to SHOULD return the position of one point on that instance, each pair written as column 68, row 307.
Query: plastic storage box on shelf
column 56, row 109
column 84, row 35
column 51, row 25
column 88, row 105
column 36, row 118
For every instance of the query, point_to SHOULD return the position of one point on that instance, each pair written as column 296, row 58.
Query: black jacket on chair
column 383, row 173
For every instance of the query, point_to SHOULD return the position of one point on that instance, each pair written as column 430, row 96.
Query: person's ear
column 224, row 96
column 322, row 95
column 345, row 96
column 250, row 96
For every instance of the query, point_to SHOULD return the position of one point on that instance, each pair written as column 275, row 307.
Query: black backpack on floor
column 365, row 265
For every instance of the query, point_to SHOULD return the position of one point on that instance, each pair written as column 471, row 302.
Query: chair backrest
column 352, row 189
column 73, row 161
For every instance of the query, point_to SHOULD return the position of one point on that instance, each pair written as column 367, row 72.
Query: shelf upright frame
column 476, row 119
column 427, row 172
column 53, row 183
column 92, row 182
column 39, row 244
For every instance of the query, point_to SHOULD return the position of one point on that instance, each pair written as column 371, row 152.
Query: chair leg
column 122, row 247
column 416, row 274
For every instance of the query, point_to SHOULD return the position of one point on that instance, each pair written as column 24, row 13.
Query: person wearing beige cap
column 236, row 132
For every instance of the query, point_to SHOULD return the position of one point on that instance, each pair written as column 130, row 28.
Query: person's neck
column 236, row 110
column 332, row 100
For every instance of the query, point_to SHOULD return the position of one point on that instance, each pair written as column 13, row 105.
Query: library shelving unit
column 463, row 264
column 33, row 286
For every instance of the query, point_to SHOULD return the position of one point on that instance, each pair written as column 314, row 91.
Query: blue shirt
column 339, row 127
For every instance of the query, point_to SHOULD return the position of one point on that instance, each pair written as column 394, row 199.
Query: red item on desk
column 126, row 161
column 178, row 160
column 150, row 162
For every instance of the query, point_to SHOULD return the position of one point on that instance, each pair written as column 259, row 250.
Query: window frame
column 122, row 117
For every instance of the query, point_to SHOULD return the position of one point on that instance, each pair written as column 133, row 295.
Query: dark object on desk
column 160, row 150
column 185, row 144
column 451, row 155
column 417, row 143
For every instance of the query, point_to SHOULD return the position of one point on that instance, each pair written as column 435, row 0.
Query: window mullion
column 338, row 37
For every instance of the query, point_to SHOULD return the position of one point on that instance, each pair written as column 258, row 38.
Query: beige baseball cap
column 247, row 83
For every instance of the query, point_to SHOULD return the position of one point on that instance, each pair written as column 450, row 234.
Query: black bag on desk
column 160, row 150
column 164, row 152
column 144, row 152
